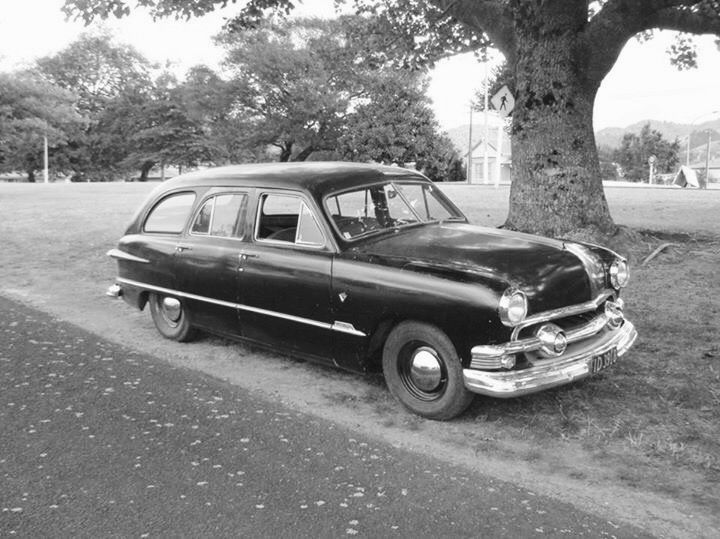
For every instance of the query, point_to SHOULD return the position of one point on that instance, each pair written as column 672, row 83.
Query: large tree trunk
column 557, row 188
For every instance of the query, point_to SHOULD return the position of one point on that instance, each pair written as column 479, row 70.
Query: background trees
column 636, row 149
column 558, row 51
column 314, row 86
column 291, row 90
column 30, row 110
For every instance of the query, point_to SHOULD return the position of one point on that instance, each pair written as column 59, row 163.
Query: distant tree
column 397, row 126
column 636, row 149
column 310, row 86
column 296, row 82
column 31, row 109
column 107, row 78
column 97, row 69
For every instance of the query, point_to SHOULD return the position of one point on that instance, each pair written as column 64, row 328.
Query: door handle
column 181, row 248
column 245, row 256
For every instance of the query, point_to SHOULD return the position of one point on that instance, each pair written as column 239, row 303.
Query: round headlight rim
column 505, row 304
column 619, row 279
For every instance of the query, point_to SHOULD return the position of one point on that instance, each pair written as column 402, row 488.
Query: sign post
column 504, row 102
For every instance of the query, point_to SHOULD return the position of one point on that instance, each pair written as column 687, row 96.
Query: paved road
column 97, row 440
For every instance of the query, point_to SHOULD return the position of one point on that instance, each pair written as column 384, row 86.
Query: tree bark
column 557, row 187
column 145, row 170
column 304, row 154
column 285, row 153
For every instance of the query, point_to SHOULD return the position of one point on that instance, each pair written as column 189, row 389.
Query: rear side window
column 220, row 215
column 170, row 214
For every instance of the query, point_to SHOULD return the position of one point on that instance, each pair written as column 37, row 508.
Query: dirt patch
column 638, row 443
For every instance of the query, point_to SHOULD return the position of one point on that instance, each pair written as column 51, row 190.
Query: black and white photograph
column 374, row 268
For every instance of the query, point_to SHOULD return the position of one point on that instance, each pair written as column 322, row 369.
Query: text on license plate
column 598, row 363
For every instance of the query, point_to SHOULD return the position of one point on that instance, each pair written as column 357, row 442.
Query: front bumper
column 575, row 364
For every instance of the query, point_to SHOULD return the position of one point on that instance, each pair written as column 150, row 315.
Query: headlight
column 619, row 274
column 513, row 307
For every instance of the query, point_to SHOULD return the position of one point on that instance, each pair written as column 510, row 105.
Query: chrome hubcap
column 425, row 370
column 171, row 309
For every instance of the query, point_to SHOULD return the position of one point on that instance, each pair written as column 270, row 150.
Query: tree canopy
column 636, row 148
column 307, row 86
column 30, row 110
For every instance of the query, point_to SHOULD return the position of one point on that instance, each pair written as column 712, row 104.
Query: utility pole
column 46, row 176
column 469, row 157
column 486, row 169
column 707, row 161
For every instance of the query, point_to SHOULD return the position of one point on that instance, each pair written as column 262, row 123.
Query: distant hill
column 612, row 136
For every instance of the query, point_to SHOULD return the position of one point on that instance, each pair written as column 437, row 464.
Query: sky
column 642, row 85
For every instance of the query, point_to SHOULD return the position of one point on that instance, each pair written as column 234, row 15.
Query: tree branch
column 684, row 20
column 492, row 17
column 619, row 20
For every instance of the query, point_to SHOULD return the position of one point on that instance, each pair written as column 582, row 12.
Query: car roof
column 316, row 177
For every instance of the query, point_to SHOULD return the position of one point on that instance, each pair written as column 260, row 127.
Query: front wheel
column 171, row 317
column 423, row 371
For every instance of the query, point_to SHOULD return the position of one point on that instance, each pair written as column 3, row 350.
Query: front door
column 285, row 277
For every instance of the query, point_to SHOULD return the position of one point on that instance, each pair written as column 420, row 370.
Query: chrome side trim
column 550, row 373
column 342, row 327
column 562, row 312
column 345, row 327
column 122, row 255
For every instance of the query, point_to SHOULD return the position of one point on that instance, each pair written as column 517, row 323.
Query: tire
column 434, row 388
column 171, row 317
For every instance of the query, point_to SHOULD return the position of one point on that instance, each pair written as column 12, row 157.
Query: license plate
column 602, row 361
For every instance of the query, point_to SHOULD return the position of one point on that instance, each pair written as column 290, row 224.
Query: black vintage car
column 371, row 268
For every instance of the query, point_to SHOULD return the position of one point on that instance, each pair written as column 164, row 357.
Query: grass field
column 651, row 422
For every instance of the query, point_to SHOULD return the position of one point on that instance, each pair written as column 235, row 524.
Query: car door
column 285, row 277
column 208, row 260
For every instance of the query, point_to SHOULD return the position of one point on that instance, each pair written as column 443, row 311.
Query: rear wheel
column 423, row 371
column 171, row 317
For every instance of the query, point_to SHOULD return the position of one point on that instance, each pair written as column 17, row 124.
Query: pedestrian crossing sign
column 503, row 101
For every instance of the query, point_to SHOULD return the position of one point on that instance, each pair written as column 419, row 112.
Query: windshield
column 388, row 205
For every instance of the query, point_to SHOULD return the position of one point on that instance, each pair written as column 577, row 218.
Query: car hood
column 552, row 273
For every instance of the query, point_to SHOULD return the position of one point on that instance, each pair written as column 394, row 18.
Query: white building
column 477, row 149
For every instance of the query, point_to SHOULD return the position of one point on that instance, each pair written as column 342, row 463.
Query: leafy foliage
column 310, row 86
column 399, row 127
column 636, row 149
column 97, row 70
column 31, row 109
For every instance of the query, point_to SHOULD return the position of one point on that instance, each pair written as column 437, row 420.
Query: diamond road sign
column 503, row 101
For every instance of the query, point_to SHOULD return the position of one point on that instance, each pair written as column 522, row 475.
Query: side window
column 220, row 216
column 286, row 218
column 204, row 216
column 170, row 214
column 309, row 232
column 226, row 215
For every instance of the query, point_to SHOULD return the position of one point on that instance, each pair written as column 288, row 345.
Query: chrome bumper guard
column 573, row 365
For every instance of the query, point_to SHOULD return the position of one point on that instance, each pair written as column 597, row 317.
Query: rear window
column 170, row 214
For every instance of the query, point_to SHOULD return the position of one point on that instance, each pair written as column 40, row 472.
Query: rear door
column 208, row 260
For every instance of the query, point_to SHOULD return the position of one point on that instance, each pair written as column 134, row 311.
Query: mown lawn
column 653, row 420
